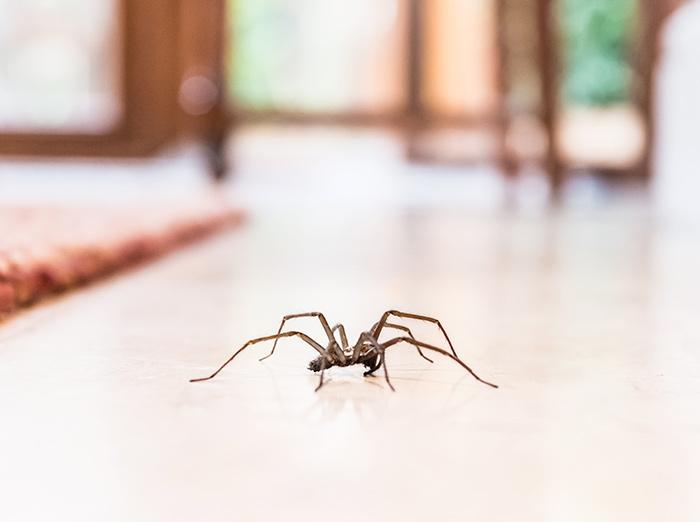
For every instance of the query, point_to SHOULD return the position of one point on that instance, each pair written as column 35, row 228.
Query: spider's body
column 367, row 351
column 369, row 360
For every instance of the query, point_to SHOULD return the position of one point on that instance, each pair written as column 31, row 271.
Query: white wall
column 677, row 181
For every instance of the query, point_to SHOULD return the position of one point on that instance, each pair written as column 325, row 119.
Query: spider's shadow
column 371, row 399
column 338, row 396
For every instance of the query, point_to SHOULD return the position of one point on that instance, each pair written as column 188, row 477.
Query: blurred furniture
column 529, row 42
column 644, row 57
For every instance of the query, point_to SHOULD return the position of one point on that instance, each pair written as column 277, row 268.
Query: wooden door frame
column 149, row 81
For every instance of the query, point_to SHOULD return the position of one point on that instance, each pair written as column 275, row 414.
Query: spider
column 367, row 351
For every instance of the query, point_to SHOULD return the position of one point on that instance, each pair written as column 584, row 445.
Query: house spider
column 367, row 351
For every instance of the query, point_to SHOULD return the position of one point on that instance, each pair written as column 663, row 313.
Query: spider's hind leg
column 302, row 336
column 408, row 331
column 377, row 329
column 430, row 347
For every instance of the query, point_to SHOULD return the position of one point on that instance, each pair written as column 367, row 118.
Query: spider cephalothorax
column 316, row 364
column 367, row 351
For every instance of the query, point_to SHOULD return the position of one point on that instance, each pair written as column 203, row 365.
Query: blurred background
column 557, row 87
column 380, row 105
column 523, row 170
column 391, row 104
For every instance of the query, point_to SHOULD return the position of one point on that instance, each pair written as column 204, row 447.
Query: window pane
column 461, row 57
column 600, row 124
column 59, row 65
column 597, row 36
column 317, row 55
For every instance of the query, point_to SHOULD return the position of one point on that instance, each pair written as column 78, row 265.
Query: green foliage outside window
column 596, row 36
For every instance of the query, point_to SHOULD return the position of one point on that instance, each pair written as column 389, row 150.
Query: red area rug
column 44, row 251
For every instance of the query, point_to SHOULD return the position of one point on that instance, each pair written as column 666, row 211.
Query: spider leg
column 303, row 336
column 370, row 372
column 408, row 331
column 343, row 337
column 382, row 323
column 323, row 369
column 439, row 350
column 286, row 318
column 382, row 362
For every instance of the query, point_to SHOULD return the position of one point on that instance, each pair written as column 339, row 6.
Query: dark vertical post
column 549, row 99
column 414, row 69
column 506, row 161
column 415, row 114
column 217, row 126
column 202, row 49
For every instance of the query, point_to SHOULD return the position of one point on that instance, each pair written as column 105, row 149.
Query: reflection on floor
column 325, row 168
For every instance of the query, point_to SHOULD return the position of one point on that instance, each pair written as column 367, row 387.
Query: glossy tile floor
column 586, row 315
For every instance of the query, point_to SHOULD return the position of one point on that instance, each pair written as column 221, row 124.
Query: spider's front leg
column 302, row 336
column 321, row 318
column 379, row 350
column 323, row 370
